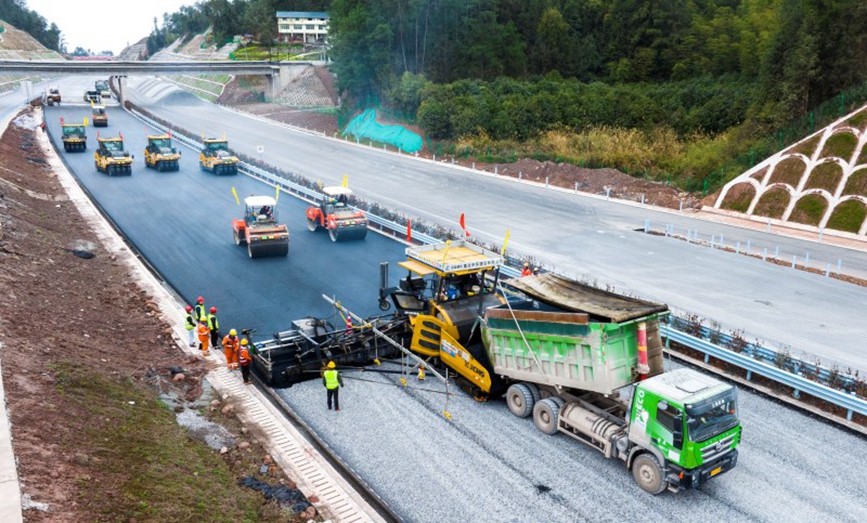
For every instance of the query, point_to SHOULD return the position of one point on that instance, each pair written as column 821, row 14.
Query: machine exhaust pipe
column 383, row 286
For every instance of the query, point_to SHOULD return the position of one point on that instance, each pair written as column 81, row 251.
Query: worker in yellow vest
column 333, row 381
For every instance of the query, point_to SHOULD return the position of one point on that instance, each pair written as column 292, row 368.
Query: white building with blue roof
column 304, row 26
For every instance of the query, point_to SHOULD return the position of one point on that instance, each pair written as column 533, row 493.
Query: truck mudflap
column 679, row 478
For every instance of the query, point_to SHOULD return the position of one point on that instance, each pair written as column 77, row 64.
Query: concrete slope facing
column 579, row 235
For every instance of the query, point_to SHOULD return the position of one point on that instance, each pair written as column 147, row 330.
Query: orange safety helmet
column 213, row 310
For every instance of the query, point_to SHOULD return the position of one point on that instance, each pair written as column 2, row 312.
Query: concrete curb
column 301, row 462
column 10, row 492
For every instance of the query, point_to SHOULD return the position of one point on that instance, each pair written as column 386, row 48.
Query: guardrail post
column 777, row 252
column 453, row 160
column 749, row 375
column 828, row 269
column 496, row 169
column 849, row 415
column 765, row 254
column 712, row 240
column 722, row 241
column 706, row 357
column 434, row 157
column 748, row 247
column 796, row 394
column 681, row 206
column 474, row 166
column 576, row 187
column 807, row 260
column 738, row 248
column 642, row 198
column 646, row 226
column 794, row 259
column 520, row 175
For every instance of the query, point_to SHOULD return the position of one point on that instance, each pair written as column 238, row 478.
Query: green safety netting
column 365, row 126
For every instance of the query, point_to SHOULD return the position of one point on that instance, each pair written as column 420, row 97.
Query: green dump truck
column 571, row 354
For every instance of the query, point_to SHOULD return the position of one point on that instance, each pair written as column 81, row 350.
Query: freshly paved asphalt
column 576, row 234
column 181, row 223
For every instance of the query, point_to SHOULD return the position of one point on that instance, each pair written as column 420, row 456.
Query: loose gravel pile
column 487, row 465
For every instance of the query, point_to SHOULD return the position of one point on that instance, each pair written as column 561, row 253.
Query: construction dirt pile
column 85, row 358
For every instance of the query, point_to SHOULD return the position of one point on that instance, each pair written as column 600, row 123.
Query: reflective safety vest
column 244, row 357
column 213, row 322
column 190, row 323
column 331, row 381
column 200, row 312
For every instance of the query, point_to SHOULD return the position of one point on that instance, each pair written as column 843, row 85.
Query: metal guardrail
column 850, row 401
column 757, row 352
column 747, row 360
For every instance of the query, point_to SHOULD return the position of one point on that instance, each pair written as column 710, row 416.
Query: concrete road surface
column 575, row 234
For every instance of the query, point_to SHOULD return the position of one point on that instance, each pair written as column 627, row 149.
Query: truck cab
column 53, row 96
column 101, row 86
column 689, row 422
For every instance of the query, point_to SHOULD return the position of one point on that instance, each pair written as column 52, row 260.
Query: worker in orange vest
column 230, row 349
column 204, row 335
column 244, row 360
column 526, row 271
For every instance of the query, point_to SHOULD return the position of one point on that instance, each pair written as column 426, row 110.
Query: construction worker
column 526, row 271
column 332, row 381
column 230, row 349
column 201, row 312
column 214, row 326
column 535, row 271
column 244, row 360
column 204, row 336
column 349, row 323
column 190, row 325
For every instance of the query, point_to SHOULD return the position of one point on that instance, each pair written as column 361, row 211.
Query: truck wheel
column 333, row 234
column 520, row 400
column 545, row 415
column 312, row 225
column 648, row 474
column 534, row 390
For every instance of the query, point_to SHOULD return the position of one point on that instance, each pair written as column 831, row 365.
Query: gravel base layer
column 488, row 465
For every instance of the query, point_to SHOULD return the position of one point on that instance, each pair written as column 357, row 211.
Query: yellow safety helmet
column 244, row 341
column 233, row 332
column 331, row 365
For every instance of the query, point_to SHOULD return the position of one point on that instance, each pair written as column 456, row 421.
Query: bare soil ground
column 79, row 340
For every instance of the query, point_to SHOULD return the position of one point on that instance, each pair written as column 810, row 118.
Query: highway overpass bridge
column 276, row 73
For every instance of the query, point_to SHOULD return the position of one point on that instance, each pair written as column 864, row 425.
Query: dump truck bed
column 571, row 335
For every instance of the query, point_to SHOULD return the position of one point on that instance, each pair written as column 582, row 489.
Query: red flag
column 408, row 231
column 464, row 225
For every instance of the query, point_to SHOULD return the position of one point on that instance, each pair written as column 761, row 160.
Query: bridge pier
column 273, row 86
column 121, row 88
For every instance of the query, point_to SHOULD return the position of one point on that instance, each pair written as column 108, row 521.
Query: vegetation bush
column 840, row 144
column 856, row 184
column 826, row 176
column 789, row 171
column 809, row 209
column 773, row 203
column 739, row 197
column 848, row 216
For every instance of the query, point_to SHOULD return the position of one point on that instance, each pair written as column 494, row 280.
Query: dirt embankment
column 82, row 348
